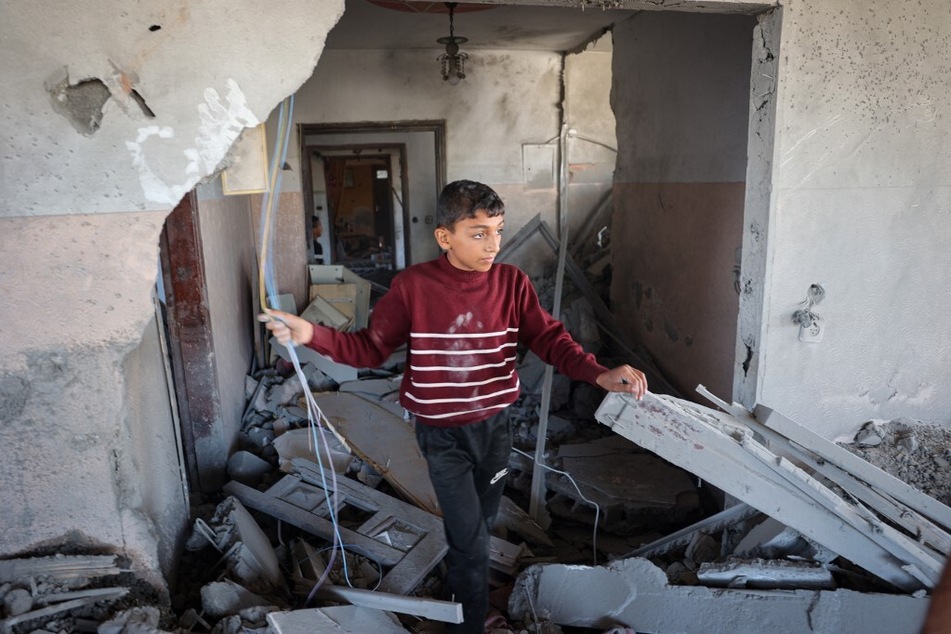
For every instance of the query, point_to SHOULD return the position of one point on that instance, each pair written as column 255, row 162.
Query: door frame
column 436, row 127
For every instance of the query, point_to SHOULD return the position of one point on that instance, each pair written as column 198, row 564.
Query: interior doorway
column 416, row 155
column 359, row 222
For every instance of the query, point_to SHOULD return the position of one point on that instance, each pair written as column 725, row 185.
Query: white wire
column 597, row 509
column 314, row 415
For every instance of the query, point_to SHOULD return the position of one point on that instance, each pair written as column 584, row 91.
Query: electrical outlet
column 813, row 332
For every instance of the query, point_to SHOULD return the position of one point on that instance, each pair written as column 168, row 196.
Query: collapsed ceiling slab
column 718, row 448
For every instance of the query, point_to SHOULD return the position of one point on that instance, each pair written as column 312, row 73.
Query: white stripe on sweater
column 481, row 397
column 468, row 368
column 475, row 335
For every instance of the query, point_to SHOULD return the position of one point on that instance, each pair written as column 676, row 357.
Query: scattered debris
column 721, row 448
column 636, row 594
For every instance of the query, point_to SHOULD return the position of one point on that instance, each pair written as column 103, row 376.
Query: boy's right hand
column 287, row 328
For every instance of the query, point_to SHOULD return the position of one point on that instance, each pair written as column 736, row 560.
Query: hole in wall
column 81, row 103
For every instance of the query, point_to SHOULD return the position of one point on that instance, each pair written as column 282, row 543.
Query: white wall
column 487, row 121
column 80, row 218
column 861, row 204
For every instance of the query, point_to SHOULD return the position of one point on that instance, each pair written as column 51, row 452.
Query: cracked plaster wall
column 861, row 203
column 84, row 192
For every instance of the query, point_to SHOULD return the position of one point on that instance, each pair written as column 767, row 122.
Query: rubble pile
column 914, row 451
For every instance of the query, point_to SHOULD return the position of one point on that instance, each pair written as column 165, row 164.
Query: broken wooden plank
column 687, row 435
column 445, row 611
column 385, row 441
column 862, row 469
column 923, row 529
column 636, row 594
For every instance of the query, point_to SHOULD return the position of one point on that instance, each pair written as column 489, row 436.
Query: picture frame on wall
column 247, row 173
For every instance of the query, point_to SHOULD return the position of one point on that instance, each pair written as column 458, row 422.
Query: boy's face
column 473, row 243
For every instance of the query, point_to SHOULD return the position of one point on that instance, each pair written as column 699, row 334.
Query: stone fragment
column 17, row 601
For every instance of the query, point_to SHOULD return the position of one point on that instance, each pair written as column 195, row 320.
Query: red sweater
column 462, row 328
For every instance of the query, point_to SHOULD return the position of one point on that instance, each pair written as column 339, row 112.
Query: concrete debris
column 247, row 551
column 721, row 449
column 225, row 598
column 444, row 611
column 300, row 443
column 765, row 574
column 9, row 622
column 17, row 601
column 248, row 468
column 248, row 621
column 634, row 593
column 137, row 620
column 916, row 452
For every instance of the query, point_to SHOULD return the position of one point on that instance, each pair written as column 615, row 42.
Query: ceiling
column 405, row 24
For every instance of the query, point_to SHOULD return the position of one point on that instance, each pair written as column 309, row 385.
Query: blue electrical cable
column 266, row 274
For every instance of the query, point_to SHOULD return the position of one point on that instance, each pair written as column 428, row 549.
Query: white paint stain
column 221, row 122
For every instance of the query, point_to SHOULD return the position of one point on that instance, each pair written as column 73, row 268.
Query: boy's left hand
column 624, row 378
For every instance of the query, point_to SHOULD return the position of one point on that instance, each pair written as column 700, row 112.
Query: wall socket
column 814, row 331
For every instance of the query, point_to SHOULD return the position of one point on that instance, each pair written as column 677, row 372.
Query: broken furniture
column 405, row 539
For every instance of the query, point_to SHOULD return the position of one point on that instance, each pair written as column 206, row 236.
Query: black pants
column 467, row 466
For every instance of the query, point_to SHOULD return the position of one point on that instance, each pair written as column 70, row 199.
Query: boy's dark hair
column 462, row 199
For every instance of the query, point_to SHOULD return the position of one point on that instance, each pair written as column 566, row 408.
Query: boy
column 463, row 317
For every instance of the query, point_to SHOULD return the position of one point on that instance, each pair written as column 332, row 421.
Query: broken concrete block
column 869, row 436
column 635, row 593
column 285, row 393
column 247, row 468
column 299, row 443
column 248, row 552
column 317, row 381
column 137, row 620
column 225, row 598
column 766, row 574
column 17, row 601
column 701, row 549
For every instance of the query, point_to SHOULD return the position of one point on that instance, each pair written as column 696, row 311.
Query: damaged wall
column 487, row 122
column 85, row 191
column 681, row 100
column 860, row 203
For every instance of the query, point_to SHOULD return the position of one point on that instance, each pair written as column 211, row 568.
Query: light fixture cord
column 452, row 10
